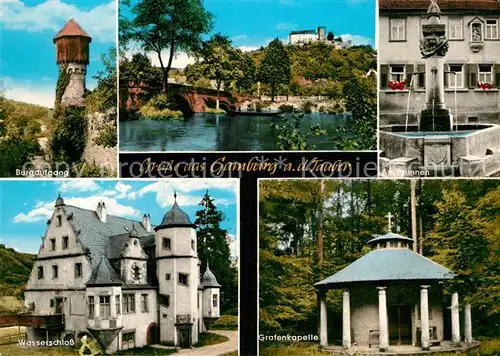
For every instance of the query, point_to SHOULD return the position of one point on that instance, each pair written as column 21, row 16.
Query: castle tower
column 72, row 53
column 210, row 297
column 177, row 272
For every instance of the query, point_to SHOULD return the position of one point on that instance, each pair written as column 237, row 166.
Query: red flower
column 485, row 85
column 395, row 85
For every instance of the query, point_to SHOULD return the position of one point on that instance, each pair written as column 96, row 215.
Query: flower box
column 395, row 85
column 485, row 85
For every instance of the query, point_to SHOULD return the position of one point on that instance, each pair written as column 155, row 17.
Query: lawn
column 10, row 304
column 207, row 339
column 226, row 322
column 11, row 334
column 146, row 350
column 15, row 350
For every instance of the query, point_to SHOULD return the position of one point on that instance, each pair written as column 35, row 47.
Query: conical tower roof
column 175, row 217
column 209, row 280
column 72, row 29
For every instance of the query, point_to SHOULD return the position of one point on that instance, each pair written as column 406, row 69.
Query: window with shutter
column 409, row 74
column 384, row 72
column 497, row 75
column 472, row 76
column 420, row 76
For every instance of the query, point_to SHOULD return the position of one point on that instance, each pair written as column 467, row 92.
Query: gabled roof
column 72, row 29
column 386, row 265
column 96, row 235
column 104, row 274
column 444, row 5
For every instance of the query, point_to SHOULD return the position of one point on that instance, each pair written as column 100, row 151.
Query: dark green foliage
column 275, row 67
column 139, row 69
column 289, row 137
column 103, row 97
column 15, row 153
column 107, row 136
column 213, row 247
column 286, row 108
column 207, row 339
column 226, row 322
column 361, row 100
column 307, row 106
column 62, row 83
column 68, row 137
column 15, row 269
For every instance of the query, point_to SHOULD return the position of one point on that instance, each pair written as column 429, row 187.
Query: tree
column 247, row 65
column 213, row 248
column 275, row 66
column 160, row 24
column 219, row 61
column 330, row 36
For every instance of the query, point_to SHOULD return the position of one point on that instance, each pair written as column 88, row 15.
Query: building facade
column 320, row 35
column 127, row 283
column 471, row 66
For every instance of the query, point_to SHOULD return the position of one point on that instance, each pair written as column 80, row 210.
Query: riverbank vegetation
column 459, row 226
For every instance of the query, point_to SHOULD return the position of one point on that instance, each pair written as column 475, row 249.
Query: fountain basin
column 469, row 150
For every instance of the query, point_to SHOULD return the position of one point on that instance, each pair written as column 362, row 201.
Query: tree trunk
column 421, row 232
column 273, row 90
column 320, row 223
column 218, row 96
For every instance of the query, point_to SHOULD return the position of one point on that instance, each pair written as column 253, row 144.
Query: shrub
column 107, row 136
column 158, row 108
column 307, row 106
column 286, row 108
column 14, row 153
column 214, row 111
column 160, row 102
column 226, row 322
column 68, row 137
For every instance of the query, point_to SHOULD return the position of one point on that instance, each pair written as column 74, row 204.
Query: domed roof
column 59, row 201
column 175, row 217
column 209, row 280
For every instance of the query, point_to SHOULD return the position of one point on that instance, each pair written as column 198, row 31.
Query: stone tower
column 178, row 278
column 72, row 53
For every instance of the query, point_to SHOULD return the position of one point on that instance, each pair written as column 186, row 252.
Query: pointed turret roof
column 59, row 201
column 175, row 217
column 72, row 29
column 104, row 274
column 209, row 280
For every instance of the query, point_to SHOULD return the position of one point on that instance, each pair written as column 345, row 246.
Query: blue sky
column 254, row 23
column 27, row 54
column 25, row 205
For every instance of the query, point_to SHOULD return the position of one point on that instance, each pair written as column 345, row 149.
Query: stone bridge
column 189, row 99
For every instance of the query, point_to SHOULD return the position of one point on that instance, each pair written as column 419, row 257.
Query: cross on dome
column 389, row 216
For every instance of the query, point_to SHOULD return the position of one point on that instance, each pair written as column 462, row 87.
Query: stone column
column 424, row 317
column 434, row 82
column 346, row 320
column 455, row 320
column 323, row 333
column 382, row 320
column 468, row 325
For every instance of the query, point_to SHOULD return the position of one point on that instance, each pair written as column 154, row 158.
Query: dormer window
column 136, row 272
column 166, row 243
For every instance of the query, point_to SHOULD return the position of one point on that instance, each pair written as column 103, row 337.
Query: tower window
column 128, row 303
column 166, row 243
column 53, row 244
column 65, row 241
column 165, row 300
column 184, row 279
column 104, row 306
column 167, row 276
column 144, row 303
column 215, row 300
column 117, row 304
column 55, row 272
column 192, row 245
column 40, row 272
column 78, row 270
column 52, row 303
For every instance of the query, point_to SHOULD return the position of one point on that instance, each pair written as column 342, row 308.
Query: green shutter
column 472, row 75
column 497, row 75
column 384, row 74
column 409, row 74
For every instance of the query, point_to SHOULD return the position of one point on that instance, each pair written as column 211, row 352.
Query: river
column 207, row 132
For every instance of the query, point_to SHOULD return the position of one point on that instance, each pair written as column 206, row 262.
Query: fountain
column 436, row 145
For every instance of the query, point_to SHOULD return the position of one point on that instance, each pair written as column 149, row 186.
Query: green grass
column 304, row 349
column 10, row 304
column 11, row 330
column 207, row 339
column 488, row 347
column 146, row 350
column 226, row 322
column 234, row 353
column 15, row 350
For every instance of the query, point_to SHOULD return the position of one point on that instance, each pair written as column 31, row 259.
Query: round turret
column 175, row 217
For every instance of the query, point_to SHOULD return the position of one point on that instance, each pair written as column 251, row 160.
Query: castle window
column 165, row 300
column 398, row 30
column 52, row 303
column 136, row 272
column 144, row 303
column 78, row 270
column 91, row 307
column 55, row 272
column 184, row 279
column 53, row 244
column 215, row 300
column 166, row 243
column 128, row 340
column 59, row 220
column 192, row 245
column 491, row 29
column 117, row 304
column 167, row 276
column 65, row 240
column 40, row 272
column 128, row 303
column 104, row 306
